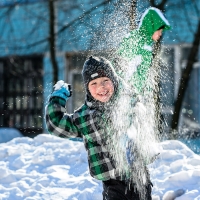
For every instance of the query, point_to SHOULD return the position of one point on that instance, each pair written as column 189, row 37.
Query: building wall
column 24, row 31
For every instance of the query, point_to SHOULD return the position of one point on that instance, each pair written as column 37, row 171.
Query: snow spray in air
column 134, row 127
column 131, row 118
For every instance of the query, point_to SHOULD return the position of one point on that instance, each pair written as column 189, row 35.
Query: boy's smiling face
column 101, row 89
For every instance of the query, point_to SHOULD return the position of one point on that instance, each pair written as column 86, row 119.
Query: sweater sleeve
column 129, row 46
column 58, row 122
column 138, row 56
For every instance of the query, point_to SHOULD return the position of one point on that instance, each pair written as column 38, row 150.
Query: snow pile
column 45, row 167
column 177, row 171
column 7, row 134
column 48, row 167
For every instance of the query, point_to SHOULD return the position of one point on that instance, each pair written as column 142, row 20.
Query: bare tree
column 44, row 29
column 52, row 39
column 156, row 66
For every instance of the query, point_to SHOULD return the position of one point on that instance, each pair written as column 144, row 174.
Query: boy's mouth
column 103, row 93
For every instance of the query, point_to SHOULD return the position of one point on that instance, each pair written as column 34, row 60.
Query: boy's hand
column 129, row 156
column 128, row 143
column 62, row 89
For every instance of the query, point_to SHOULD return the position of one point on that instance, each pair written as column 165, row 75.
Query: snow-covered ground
column 48, row 167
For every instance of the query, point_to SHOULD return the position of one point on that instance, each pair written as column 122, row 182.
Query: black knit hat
column 96, row 67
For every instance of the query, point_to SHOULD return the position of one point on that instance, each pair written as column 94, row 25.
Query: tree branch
column 67, row 25
column 159, row 6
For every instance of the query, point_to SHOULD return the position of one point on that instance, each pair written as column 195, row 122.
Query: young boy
column 134, row 58
column 101, row 85
column 93, row 119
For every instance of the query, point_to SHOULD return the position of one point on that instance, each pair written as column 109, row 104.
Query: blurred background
column 42, row 41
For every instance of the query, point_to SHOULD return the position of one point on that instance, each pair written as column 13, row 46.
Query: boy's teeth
column 103, row 93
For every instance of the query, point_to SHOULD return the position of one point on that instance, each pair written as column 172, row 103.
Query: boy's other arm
column 58, row 122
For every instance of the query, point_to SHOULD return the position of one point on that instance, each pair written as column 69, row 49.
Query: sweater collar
column 95, row 104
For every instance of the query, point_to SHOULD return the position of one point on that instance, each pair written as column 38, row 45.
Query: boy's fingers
column 69, row 87
column 70, row 90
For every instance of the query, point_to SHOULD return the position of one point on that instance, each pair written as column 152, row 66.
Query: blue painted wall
column 24, row 28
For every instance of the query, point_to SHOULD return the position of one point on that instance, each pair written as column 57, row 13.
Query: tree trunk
column 185, row 78
column 52, row 40
column 133, row 14
column 156, row 67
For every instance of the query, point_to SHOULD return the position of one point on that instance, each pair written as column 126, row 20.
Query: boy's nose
column 102, row 84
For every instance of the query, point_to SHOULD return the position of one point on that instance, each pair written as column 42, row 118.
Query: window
column 191, row 103
column 167, row 83
column 21, row 94
column 167, row 76
column 78, row 95
column 74, row 67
